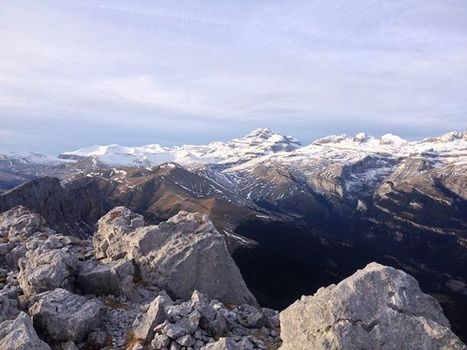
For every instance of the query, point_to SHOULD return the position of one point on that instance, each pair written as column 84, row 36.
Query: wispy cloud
column 160, row 69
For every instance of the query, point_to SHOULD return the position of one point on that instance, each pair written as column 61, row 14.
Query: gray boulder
column 65, row 316
column 19, row 334
column 42, row 270
column 8, row 303
column 229, row 344
column 110, row 238
column 143, row 326
column 106, row 279
column 20, row 223
column 378, row 307
column 184, row 254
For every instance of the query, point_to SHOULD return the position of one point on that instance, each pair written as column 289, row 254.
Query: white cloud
column 302, row 66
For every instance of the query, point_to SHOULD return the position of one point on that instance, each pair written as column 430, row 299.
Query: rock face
column 19, row 334
column 378, row 307
column 65, row 316
column 184, row 254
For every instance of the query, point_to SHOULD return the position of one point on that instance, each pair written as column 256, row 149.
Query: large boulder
column 184, row 254
column 114, row 278
column 19, row 334
column 64, row 316
column 17, row 226
column 43, row 269
column 378, row 307
column 114, row 227
column 20, row 223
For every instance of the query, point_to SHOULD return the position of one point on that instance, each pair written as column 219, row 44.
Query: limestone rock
column 184, row 254
column 155, row 315
column 20, row 223
column 105, row 279
column 97, row 340
column 378, row 307
column 109, row 240
column 42, row 270
column 19, row 334
column 229, row 344
column 65, row 316
column 8, row 303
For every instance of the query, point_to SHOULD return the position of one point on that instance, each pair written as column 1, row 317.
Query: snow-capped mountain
column 18, row 167
column 257, row 143
column 337, row 200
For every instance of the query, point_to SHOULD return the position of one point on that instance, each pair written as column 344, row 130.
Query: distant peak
column 361, row 137
column 263, row 133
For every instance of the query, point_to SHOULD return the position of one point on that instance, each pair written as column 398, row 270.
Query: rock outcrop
column 43, row 270
column 19, row 334
column 64, row 316
column 378, row 307
column 20, row 223
column 138, row 289
column 184, row 254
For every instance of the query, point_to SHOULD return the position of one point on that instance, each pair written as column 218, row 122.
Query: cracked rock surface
column 378, row 307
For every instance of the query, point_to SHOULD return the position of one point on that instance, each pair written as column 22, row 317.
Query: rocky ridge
column 97, row 294
column 71, row 293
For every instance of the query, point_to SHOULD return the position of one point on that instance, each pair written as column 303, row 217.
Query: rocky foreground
column 175, row 286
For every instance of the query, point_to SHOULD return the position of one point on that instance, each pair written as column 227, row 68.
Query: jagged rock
column 19, row 334
column 8, row 303
column 251, row 317
column 20, row 223
column 180, row 255
column 65, row 316
column 144, row 324
column 97, row 339
column 110, row 238
column 104, row 279
column 160, row 341
column 186, row 340
column 42, row 270
column 377, row 307
column 229, row 344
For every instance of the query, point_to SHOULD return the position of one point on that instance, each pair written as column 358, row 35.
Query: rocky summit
column 174, row 286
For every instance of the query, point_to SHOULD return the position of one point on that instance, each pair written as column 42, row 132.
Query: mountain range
column 294, row 217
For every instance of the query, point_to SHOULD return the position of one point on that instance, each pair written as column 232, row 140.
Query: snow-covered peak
column 361, row 137
column 453, row 136
column 257, row 143
column 31, row 157
column 263, row 133
column 390, row 139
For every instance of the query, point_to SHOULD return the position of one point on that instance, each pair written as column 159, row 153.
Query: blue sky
column 75, row 73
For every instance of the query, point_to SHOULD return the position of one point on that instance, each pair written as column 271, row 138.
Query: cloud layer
column 74, row 73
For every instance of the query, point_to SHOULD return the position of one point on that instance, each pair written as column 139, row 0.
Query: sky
column 83, row 72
